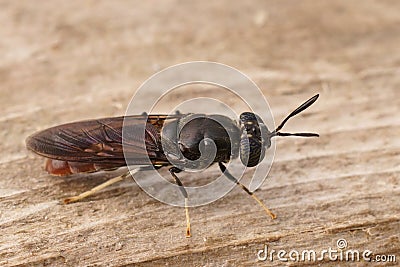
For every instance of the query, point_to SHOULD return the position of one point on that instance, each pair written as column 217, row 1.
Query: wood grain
column 65, row 61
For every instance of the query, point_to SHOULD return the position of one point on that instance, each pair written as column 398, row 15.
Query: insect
column 96, row 145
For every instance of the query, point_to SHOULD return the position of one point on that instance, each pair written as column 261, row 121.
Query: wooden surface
column 63, row 61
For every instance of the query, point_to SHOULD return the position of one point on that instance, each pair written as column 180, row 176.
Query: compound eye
column 248, row 121
column 251, row 151
column 248, row 116
column 251, row 147
column 251, row 123
column 253, row 141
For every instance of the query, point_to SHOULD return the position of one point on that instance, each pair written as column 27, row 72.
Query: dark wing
column 100, row 141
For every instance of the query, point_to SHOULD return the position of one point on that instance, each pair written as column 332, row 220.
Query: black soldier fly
column 96, row 145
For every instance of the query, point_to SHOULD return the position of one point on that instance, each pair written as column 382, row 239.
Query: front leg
column 233, row 179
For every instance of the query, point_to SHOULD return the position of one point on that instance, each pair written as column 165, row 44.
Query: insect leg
column 98, row 188
column 174, row 170
column 233, row 179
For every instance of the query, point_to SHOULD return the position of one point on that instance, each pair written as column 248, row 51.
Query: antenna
column 301, row 108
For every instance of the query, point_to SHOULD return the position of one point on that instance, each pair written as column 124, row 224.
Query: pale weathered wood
column 63, row 61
